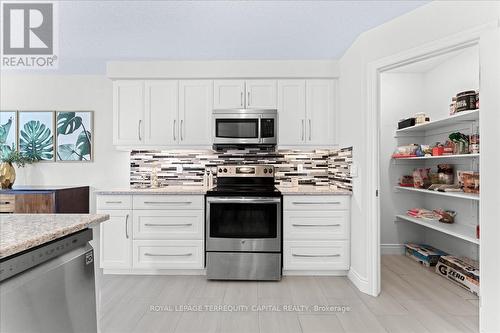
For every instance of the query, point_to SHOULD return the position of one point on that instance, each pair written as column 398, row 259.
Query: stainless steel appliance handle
column 302, row 131
column 113, row 202
column 316, row 203
column 316, row 225
column 182, row 136
column 309, row 129
column 175, row 120
column 241, row 98
column 246, row 200
column 139, row 129
column 248, row 98
column 316, row 255
column 167, row 255
column 168, row 225
column 126, row 226
column 168, row 202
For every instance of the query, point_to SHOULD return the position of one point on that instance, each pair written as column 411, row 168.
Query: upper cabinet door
column 291, row 112
column 229, row 94
column 261, row 94
column 161, row 102
column 195, row 111
column 128, row 112
column 320, row 111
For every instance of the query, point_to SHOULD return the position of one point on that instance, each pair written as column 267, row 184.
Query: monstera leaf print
column 5, row 149
column 83, row 143
column 36, row 141
column 68, row 122
column 67, row 152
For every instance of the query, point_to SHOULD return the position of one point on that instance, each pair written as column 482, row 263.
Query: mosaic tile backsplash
column 320, row 167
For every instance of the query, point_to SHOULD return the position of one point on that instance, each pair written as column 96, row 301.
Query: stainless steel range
column 244, row 224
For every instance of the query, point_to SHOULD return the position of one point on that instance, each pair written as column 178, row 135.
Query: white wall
column 423, row 25
column 73, row 92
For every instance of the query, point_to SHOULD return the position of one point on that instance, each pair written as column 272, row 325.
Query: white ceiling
column 93, row 32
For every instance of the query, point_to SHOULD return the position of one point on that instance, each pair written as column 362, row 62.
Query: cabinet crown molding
column 222, row 69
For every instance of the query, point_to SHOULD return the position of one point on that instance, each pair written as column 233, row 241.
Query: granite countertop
column 300, row 190
column 19, row 232
column 310, row 189
column 160, row 190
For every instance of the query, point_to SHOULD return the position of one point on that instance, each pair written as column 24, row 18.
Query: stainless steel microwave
column 245, row 127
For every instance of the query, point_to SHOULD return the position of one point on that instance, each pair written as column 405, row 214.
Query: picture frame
column 75, row 136
column 36, row 135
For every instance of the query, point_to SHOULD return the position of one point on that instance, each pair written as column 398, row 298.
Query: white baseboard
column 360, row 282
column 313, row 273
column 398, row 249
column 155, row 271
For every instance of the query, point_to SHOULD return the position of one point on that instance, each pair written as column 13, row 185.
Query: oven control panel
column 245, row 171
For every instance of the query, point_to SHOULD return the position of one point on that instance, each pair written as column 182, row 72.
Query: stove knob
column 225, row 170
column 265, row 170
column 270, row 170
column 220, row 170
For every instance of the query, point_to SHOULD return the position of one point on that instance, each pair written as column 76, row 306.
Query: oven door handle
column 244, row 200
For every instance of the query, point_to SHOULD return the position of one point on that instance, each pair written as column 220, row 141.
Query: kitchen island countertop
column 20, row 232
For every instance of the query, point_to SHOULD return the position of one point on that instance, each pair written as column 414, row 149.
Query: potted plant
column 7, row 171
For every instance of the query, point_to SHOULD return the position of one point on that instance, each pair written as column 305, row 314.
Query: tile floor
column 413, row 299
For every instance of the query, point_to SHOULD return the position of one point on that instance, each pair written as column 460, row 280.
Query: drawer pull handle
column 316, row 255
column 167, row 202
column 168, row 255
column 317, row 225
column 126, row 226
column 317, row 203
column 113, row 202
column 5, row 202
column 168, row 225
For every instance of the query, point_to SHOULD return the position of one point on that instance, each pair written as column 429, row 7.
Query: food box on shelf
column 424, row 254
column 460, row 270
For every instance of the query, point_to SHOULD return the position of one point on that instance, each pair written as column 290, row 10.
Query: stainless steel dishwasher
column 50, row 288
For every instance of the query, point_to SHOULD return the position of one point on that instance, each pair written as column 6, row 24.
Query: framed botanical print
column 75, row 131
column 36, row 134
column 8, row 132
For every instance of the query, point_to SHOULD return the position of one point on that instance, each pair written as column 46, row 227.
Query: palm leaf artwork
column 5, row 149
column 68, row 122
column 36, row 141
column 76, row 143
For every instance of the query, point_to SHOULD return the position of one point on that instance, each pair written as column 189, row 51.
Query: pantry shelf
column 460, row 117
column 437, row 157
column 460, row 195
column 461, row 231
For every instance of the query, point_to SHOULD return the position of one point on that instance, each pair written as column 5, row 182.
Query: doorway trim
column 445, row 45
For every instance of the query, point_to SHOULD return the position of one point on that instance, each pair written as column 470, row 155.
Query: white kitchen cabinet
column 260, row 94
column 128, row 112
column 316, row 234
column 229, row 94
column 195, row 112
column 152, row 232
column 291, row 111
column 249, row 94
column 320, row 111
column 161, row 122
column 306, row 112
column 162, row 112
column 116, row 239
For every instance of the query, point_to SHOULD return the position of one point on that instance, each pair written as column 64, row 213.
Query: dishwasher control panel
column 25, row 260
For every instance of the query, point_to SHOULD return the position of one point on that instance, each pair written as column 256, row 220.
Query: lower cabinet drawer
column 316, row 255
column 168, row 224
column 316, row 225
column 168, row 254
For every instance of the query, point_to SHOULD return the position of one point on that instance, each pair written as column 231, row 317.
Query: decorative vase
column 7, row 175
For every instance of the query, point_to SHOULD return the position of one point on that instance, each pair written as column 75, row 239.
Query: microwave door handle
column 260, row 129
